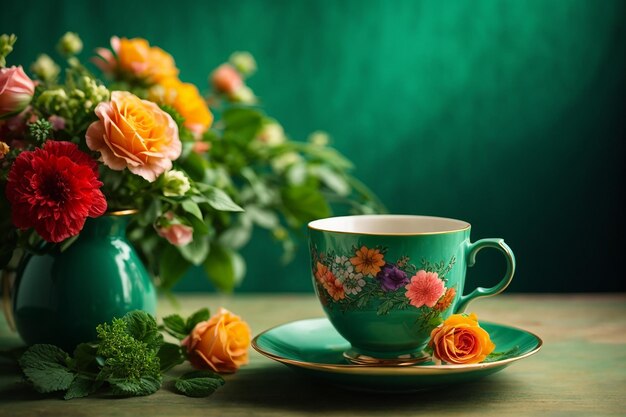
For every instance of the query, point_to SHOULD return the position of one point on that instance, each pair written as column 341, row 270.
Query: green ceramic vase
column 60, row 297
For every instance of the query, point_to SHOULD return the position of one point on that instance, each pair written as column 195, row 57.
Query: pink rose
column 226, row 79
column 176, row 233
column 16, row 90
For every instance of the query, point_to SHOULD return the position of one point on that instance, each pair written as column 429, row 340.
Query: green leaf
column 195, row 166
column 85, row 358
column 332, row 179
column 143, row 327
column 224, row 267
column 296, row 174
column 219, row 200
column 384, row 307
column 263, row 217
column 129, row 388
column 170, row 355
column 172, row 267
column 45, row 366
column 242, row 123
column 196, row 251
column 195, row 318
column 198, row 383
column 82, row 386
column 199, row 226
column 239, row 234
column 325, row 155
column 192, row 208
column 435, row 321
column 305, row 203
column 175, row 325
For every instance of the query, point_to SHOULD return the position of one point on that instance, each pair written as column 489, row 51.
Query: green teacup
column 385, row 281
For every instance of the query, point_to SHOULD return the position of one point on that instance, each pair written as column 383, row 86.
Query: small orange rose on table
column 460, row 340
column 220, row 343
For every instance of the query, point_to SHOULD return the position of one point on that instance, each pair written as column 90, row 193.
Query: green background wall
column 508, row 114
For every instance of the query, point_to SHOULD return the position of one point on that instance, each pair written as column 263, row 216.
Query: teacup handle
column 479, row 292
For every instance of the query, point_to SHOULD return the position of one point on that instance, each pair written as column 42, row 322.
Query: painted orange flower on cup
column 220, row 343
column 331, row 284
column 367, row 261
column 461, row 340
column 134, row 134
column 187, row 101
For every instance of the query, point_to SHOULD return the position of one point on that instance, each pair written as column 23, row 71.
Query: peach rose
column 460, row 340
column 226, row 79
column 134, row 134
column 187, row 101
column 16, row 90
column 220, row 343
column 144, row 61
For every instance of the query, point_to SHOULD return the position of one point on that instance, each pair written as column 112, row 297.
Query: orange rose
column 460, row 340
column 220, row 343
column 137, row 57
column 134, row 134
column 187, row 101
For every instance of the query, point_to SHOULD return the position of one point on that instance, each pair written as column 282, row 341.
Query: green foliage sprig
column 129, row 358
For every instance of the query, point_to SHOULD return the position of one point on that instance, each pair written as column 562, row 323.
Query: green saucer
column 314, row 347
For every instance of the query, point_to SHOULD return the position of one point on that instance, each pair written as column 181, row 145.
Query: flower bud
column 285, row 160
column 16, row 90
column 226, row 79
column 70, row 44
column 45, row 68
column 175, row 183
column 6, row 46
column 57, row 122
column 319, row 138
column 244, row 63
column 272, row 134
column 244, row 95
column 175, row 232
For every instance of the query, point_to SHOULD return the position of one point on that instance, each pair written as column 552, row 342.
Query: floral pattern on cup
column 367, row 278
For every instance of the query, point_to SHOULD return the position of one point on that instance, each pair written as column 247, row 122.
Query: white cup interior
column 392, row 224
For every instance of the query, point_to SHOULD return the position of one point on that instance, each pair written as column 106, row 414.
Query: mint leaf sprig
column 129, row 358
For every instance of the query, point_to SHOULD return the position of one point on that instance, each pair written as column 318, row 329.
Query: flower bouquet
column 201, row 171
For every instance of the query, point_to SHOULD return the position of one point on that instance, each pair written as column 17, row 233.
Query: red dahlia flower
column 54, row 189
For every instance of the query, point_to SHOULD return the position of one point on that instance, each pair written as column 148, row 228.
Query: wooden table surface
column 580, row 371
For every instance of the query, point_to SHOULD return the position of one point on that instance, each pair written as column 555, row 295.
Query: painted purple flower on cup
column 391, row 278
